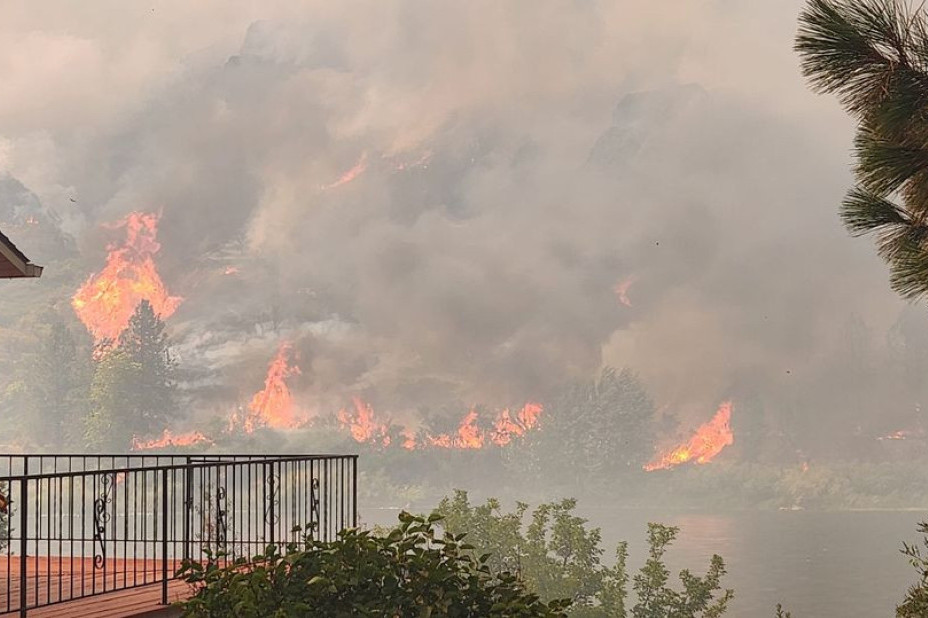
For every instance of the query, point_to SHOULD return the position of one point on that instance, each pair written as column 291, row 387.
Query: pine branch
column 884, row 165
column 858, row 50
column 864, row 212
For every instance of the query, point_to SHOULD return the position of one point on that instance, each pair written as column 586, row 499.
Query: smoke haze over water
column 436, row 201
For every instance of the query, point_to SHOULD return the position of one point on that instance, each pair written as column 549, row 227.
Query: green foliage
column 413, row 570
column 872, row 54
column 915, row 604
column 781, row 613
column 559, row 557
column 134, row 390
column 592, row 432
column 657, row 600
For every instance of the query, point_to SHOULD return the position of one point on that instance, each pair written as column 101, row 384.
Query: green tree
column 873, row 55
column 593, row 431
column 134, row 389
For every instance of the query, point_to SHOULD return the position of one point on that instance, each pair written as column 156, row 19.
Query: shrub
column 414, row 570
column 559, row 557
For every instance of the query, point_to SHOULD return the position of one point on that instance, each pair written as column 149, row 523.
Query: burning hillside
column 108, row 298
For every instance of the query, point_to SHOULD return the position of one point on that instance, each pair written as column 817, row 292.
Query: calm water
column 818, row 564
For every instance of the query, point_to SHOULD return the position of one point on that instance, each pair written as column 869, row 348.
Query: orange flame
column 708, row 441
column 898, row 435
column 350, row 175
column 621, row 290
column 169, row 439
column 107, row 300
column 470, row 436
column 365, row 428
column 506, row 428
column 362, row 425
column 273, row 406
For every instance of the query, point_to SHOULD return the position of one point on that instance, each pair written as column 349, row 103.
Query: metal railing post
column 164, row 536
column 23, row 540
column 354, row 491
column 188, row 509
column 272, row 510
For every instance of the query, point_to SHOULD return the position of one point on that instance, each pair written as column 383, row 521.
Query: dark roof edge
column 10, row 251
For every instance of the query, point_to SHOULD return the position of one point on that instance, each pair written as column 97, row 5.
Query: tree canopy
column 134, row 390
column 873, row 54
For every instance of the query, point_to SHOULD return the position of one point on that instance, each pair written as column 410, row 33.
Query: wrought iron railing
column 74, row 526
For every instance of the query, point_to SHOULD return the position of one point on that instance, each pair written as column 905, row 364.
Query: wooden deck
column 72, row 587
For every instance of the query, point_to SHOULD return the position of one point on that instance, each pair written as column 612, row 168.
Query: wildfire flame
column 358, row 169
column 506, row 426
column 468, row 435
column 107, row 300
column 902, row 434
column 363, row 426
column 169, row 439
column 273, row 406
column 706, row 443
column 621, row 290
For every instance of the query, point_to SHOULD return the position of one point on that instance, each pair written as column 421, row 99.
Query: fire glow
column 169, row 439
column 107, row 300
column 273, row 406
column 358, row 169
column 365, row 428
column 706, row 443
column 621, row 290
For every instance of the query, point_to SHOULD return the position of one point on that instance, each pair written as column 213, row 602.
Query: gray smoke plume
column 435, row 201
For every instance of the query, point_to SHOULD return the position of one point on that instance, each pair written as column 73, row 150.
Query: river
column 818, row 564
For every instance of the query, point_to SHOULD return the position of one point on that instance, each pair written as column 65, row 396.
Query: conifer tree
column 134, row 390
column 873, row 54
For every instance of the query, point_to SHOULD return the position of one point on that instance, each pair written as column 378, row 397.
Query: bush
column 550, row 568
column 414, row 570
column 559, row 557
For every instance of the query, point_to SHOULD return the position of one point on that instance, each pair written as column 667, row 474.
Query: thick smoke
column 512, row 163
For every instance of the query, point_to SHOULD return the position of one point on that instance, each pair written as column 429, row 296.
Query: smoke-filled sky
column 436, row 200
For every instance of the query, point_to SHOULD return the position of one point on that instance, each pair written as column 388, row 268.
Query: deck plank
column 58, row 587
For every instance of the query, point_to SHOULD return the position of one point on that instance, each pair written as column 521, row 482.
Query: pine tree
column 134, row 391
column 56, row 383
column 873, row 54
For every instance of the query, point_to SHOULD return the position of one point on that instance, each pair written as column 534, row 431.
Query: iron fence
column 74, row 526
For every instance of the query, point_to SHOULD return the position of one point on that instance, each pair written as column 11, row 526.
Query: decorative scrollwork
column 272, row 507
column 314, row 504
column 101, row 517
column 221, row 523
